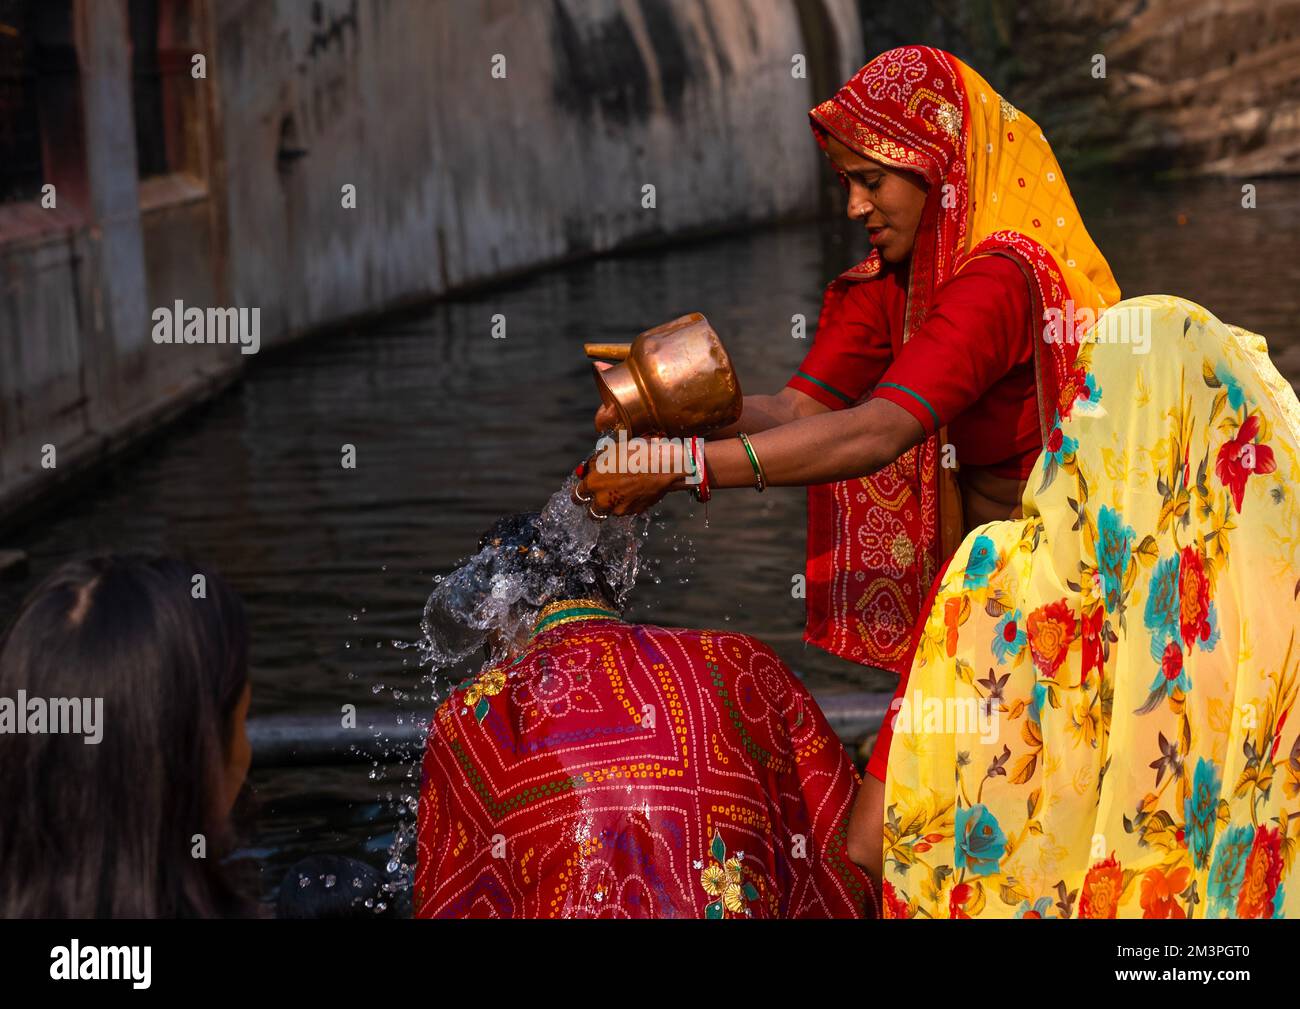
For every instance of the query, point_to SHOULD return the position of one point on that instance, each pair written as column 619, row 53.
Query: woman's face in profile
column 239, row 752
column 887, row 200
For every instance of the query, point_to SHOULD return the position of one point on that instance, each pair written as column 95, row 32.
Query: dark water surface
column 453, row 428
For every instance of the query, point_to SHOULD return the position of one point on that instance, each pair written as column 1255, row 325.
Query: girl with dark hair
column 134, row 825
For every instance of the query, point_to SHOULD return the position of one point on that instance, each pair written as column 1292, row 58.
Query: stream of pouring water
column 490, row 600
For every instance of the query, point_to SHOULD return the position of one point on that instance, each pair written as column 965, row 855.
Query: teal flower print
column 1228, row 870
column 1038, row 909
column 1089, row 402
column 1059, row 444
column 1236, row 397
column 980, row 843
column 1036, row 702
column 1162, row 609
column 1009, row 637
column 982, row 562
column 1200, row 810
column 1114, row 548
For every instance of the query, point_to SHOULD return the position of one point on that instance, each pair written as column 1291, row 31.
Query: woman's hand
column 609, row 488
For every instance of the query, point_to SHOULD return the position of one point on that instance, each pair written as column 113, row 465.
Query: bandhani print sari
column 618, row 770
column 1100, row 717
column 995, row 189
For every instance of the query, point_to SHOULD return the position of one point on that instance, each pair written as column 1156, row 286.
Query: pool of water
column 454, row 428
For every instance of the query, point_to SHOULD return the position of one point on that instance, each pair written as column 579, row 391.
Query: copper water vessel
column 675, row 379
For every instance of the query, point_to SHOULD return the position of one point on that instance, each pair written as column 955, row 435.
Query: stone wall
column 1198, row 86
column 461, row 177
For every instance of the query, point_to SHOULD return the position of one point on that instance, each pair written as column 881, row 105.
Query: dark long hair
column 107, row 830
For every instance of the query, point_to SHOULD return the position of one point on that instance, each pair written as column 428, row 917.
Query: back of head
column 519, row 546
column 525, row 562
column 154, row 652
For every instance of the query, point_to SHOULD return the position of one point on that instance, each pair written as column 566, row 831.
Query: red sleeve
column 851, row 350
column 977, row 331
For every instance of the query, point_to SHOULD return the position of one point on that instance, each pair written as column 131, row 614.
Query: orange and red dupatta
column 995, row 189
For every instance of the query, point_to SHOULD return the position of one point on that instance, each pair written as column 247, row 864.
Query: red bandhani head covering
column 995, row 188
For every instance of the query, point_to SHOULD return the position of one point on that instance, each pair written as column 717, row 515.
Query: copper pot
column 675, row 379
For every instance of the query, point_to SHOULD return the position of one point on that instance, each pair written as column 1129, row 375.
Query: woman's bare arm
column 762, row 413
column 866, row 840
column 822, row 448
column 759, row 413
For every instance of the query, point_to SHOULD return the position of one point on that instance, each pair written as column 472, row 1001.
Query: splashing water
column 493, row 599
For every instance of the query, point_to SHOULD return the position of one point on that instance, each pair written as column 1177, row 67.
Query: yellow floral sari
column 1099, row 720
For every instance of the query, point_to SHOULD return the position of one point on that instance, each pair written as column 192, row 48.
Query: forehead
column 847, row 160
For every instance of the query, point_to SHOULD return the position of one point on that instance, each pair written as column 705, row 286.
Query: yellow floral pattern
column 487, row 684
column 723, row 879
column 1112, row 679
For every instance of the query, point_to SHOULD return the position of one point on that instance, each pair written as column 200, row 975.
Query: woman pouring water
column 920, row 410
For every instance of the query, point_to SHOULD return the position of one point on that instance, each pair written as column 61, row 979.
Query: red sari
column 955, row 336
column 627, row 771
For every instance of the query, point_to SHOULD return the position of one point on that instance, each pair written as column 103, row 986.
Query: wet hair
column 524, row 562
column 333, row 886
column 517, row 543
column 107, row 829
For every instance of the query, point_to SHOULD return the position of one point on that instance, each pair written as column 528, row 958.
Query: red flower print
column 1194, row 596
column 1172, row 661
column 1241, row 456
column 1074, row 386
column 1102, row 888
column 1050, row 629
column 1263, row 873
column 1093, row 655
column 1277, row 733
column 893, row 905
column 961, row 893
column 951, row 614
column 1054, row 439
column 1160, row 893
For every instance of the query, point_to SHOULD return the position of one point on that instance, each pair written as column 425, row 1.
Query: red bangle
column 701, row 489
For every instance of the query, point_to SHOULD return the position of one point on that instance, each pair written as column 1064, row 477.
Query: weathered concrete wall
column 462, row 176
column 80, row 377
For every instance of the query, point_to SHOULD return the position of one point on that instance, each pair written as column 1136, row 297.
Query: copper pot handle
column 608, row 351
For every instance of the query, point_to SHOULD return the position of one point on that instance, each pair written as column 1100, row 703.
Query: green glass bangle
column 753, row 461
